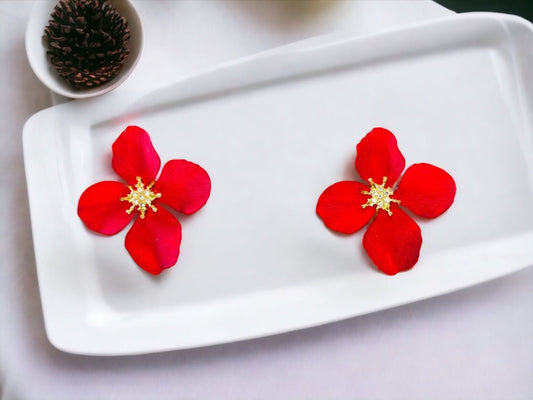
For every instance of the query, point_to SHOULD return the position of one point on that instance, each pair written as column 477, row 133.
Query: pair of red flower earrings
column 392, row 240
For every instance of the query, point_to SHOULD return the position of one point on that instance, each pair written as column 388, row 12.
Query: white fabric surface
column 473, row 344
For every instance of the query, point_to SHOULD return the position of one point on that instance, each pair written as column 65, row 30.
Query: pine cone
column 86, row 40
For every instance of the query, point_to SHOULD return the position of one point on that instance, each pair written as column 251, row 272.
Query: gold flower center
column 141, row 197
column 379, row 196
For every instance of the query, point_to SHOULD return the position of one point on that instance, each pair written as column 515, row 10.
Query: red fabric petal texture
column 426, row 190
column 101, row 210
column 378, row 156
column 154, row 242
column 134, row 155
column 340, row 207
column 393, row 242
column 184, row 186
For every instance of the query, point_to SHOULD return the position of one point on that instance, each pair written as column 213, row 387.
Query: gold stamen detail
column 379, row 196
column 141, row 197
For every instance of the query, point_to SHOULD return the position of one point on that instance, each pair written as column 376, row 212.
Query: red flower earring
column 155, row 237
column 393, row 239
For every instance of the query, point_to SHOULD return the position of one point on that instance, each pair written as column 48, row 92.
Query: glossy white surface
column 273, row 131
column 36, row 50
column 472, row 344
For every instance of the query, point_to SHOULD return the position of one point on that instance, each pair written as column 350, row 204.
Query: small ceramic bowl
column 36, row 48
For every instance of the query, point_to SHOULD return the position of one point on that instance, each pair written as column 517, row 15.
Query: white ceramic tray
column 274, row 131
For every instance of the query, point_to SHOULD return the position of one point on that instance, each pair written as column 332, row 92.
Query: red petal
column 426, row 190
column 378, row 156
column 154, row 242
column 184, row 186
column 100, row 207
column 134, row 155
column 340, row 207
column 393, row 242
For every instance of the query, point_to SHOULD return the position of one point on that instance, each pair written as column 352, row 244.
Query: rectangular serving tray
column 273, row 131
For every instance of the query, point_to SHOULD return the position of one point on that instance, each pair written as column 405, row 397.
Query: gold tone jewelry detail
column 379, row 196
column 141, row 197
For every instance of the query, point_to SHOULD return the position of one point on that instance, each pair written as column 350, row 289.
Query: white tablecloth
column 473, row 344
